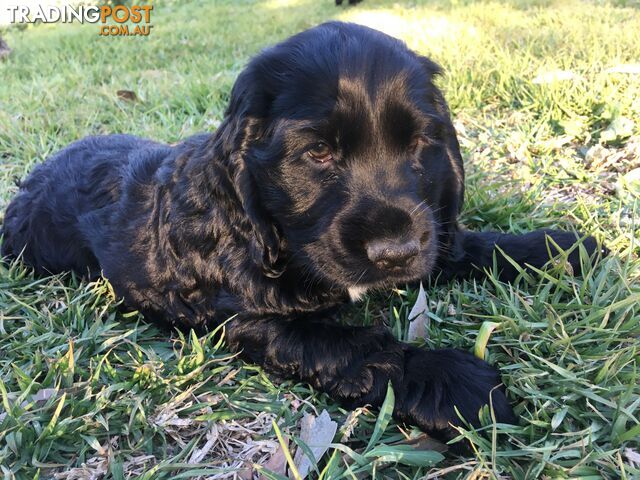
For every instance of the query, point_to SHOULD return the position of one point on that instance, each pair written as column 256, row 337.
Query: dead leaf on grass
column 317, row 433
column 633, row 457
column 277, row 463
column 41, row 396
column 418, row 319
column 127, row 95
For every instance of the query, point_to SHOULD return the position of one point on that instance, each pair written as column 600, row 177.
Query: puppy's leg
column 355, row 364
column 473, row 252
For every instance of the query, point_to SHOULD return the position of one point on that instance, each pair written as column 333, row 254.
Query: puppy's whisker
column 417, row 207
column 364, row 272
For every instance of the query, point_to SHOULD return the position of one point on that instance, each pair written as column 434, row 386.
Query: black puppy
column 336, row 170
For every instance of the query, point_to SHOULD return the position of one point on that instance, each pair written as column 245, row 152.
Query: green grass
column 84, row 384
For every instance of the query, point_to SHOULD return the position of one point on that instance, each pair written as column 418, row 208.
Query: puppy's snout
column 392, row 254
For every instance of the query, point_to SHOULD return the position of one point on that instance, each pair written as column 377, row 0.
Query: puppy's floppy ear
column 245, row 125
column 453, row 193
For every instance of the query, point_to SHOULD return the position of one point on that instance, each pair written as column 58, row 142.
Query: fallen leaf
column 44, row 394
column 633, row 457
column 127, row 95
column 277, row 462
column 41, row 396
column 418, row 320
column 629, row 182
column 619, row 128
column 317, row 433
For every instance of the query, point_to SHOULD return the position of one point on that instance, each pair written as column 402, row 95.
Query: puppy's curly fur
column 336, row 170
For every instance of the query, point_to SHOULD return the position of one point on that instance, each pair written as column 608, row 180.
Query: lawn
column 546, row 97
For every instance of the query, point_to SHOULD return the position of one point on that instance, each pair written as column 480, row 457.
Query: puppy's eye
column 320, row 152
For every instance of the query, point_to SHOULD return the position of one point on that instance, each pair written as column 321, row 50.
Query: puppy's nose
column 392, row 254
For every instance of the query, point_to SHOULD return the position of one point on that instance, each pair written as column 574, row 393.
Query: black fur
column 259, row 220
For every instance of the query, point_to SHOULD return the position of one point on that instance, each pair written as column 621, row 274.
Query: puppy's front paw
column 437, row 382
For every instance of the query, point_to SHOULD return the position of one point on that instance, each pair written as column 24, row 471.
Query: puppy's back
column 43, row 222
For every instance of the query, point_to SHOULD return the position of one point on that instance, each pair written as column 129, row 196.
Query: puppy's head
column 347, row 152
